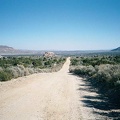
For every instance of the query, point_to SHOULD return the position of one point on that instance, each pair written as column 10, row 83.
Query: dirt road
column 44, row 96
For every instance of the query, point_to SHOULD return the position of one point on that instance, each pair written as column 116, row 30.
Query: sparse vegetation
column 13, row 67
column 103, row 71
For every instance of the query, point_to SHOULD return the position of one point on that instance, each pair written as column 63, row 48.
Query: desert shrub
column 23, row 66
column 48, row 63
column 98, row 68
column 75, row 61
column 26, row 72
column 103, row 72
column 117, row 83
column 17, row 71
column 109, row 74
column 90, row 70
column 95, row 60
column 30, row 70
column 13, row 71
column 1, row 69
column 5, row 75
column 83, row 70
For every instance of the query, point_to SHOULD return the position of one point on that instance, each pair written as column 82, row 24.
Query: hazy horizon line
column 60, row 49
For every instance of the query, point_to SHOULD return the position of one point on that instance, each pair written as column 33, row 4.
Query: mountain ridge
column 116, row 49
column 6, row 50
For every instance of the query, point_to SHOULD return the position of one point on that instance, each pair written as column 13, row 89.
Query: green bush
column 103, row 73
column 5, row 75
column 13, row 67
column 104, row 69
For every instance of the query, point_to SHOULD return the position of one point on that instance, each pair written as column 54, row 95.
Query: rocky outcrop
column 49, row 54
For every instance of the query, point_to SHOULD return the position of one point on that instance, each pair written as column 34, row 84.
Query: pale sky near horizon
column 60, row 24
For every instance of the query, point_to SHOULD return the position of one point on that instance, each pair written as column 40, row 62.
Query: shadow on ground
column 100, row 102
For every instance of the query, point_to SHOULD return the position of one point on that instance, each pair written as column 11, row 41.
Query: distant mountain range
column 6, row 50
column 117, row 49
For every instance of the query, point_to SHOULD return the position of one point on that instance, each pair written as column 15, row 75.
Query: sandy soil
column 45, row 96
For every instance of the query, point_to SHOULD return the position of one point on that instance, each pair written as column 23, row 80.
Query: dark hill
column 117, row 49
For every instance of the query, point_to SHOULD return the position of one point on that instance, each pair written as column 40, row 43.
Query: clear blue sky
column 60, row 24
